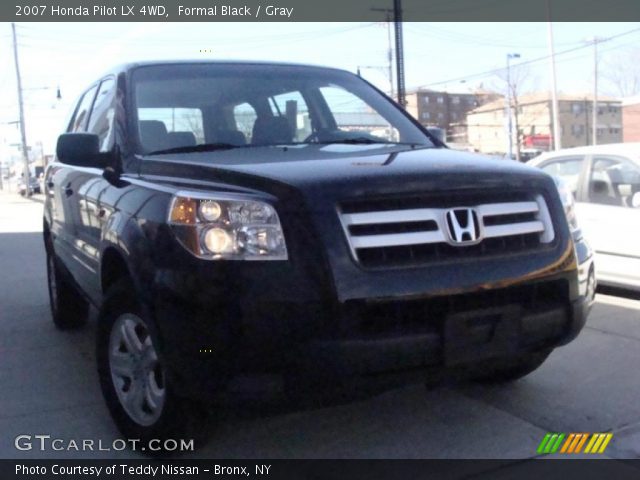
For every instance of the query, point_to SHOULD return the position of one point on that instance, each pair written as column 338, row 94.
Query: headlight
column 568, row 203
column 225, row 229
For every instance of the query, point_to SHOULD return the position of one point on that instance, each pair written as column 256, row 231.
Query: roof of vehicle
column 631, row 150
column 145, row 63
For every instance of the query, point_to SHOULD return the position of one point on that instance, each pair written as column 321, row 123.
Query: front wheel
column 138, row 391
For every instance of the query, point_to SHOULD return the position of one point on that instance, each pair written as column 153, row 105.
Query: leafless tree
column 191, row 122
column 621, row 73
column 520, row 82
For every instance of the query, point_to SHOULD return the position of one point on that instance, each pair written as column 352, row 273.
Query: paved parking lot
column 48, row 385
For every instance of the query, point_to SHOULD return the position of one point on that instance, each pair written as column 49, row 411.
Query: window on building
column 577, row 130
column 425, row 99
column 440, row 99
column 440, row 115
column 426, row 115
column 576, row 108
column 455, row 100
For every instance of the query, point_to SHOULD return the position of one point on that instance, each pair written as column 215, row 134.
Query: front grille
column 414, row 231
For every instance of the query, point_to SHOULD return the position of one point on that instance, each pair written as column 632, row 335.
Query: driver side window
column 568, row 169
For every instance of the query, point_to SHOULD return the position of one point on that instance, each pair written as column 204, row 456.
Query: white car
column 605, row 181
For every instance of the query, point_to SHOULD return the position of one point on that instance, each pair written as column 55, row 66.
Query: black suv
column 249, row 218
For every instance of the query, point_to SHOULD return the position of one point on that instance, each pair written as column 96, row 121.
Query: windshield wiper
column 364, row 141
column 354, row 141
column 204, row 147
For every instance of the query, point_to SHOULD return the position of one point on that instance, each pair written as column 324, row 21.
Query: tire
column 69, row 308
column 138, row 391
column 508, row 370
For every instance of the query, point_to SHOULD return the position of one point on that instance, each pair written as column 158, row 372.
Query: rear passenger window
column 79, row 122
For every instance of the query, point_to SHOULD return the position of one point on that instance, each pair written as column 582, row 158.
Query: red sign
column 540, row 141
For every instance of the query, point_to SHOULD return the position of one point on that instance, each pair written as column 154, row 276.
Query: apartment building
column 631, row 119
column 532, row 122
column 445, row 110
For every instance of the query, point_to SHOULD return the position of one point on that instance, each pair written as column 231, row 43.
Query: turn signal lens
column 183, row 211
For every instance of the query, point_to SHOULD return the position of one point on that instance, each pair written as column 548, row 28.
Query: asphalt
column 48, row 385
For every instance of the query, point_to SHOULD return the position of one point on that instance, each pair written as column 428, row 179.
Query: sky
column 456, row 57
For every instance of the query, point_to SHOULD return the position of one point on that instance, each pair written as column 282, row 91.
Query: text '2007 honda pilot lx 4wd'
column 248, row 218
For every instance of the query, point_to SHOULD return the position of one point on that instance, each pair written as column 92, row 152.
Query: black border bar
column 318, row 10
column 540, row 468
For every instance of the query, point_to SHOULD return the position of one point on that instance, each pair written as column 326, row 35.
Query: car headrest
column 153, row 135
column 233, row 137
column 181, row 139
column 271, row 130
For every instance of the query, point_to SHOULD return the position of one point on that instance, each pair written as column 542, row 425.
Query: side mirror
column 79, row 149
column 635, row 200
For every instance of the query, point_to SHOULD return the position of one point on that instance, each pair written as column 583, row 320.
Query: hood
column 348, row 170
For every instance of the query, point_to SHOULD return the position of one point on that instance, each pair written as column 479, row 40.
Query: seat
column 153, row 135
column 181, row 139
column 603, row 192
column 271, row 130
column 232, row 137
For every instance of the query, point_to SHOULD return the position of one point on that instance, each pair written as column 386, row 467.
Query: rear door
column 610, row 222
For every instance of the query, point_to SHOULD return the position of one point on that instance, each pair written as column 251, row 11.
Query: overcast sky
column 449, row 56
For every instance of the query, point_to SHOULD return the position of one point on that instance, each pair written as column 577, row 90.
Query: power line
column 527, row 62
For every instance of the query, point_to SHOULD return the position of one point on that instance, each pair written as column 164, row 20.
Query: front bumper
column 361, row 338
column 277, row 318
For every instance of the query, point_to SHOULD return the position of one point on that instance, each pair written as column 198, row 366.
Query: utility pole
column 397, row 14
column 23, row 135
column 594, row 132
column 509, row 121
column 557, row 134
column 390, row 55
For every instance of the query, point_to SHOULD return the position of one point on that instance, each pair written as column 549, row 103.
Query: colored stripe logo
column 574, row 443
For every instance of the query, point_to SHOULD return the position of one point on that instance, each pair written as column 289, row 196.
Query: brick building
column 631, row 119
column 532, row 120
column 446, row 110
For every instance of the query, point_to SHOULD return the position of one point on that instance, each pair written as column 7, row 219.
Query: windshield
column 192, row 107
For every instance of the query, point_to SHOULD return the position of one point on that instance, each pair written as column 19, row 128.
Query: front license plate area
column 481, row 334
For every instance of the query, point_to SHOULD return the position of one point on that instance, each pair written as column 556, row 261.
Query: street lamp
column 509, row 122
